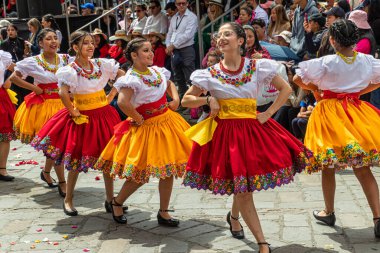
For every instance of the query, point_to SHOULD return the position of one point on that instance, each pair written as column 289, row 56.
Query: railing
column 211, row 24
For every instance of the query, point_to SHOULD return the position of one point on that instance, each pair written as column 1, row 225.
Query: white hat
column 4, row 23
column 286, row 35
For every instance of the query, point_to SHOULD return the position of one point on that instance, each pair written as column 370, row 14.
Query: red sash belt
column 149, row 110
column 50, row 92
column 348, row 97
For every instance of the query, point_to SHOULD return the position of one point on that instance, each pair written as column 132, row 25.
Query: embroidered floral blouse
column 5, row 62
column 143, row 91
column 332, row 73
column 85, row 82
column 35, row 67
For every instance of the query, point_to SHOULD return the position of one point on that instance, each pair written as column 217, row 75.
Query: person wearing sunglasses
column 139, row 22
column 157, row 21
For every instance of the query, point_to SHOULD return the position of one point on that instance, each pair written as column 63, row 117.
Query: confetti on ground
column 13, row 149
column 23, row 162
column 74, row 226
column 39, row 229
column 33, row 246
column 97, row 178
column 45, row 239
column 26, row 241
column 329, row 246
column 37, row 241
column 13, row 243
column 55, row 243
column 86, row 250
column 65, row 237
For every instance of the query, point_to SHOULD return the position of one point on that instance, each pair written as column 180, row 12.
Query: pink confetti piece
column 39, row 229
column 86, row 250
column 74, row 226
column 13, row 149
column 13, row 243
column 55, row 243
column 97, row 178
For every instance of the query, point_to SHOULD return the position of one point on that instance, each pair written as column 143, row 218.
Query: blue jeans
column 375, row 98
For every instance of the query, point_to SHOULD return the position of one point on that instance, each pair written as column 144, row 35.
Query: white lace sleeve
column 26, row 67
column 127, row 81
column 200, row 78
column 68, row 76
column 6, row 58
column 110, row 67
column 311, row 71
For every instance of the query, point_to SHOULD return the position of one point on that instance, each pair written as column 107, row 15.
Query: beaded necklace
column 346, row 59
column 88, row 74
column 45, row 65
column 151, row 83
column 228, row 79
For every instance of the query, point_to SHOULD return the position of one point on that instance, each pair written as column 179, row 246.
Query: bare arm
column 16, row 78
column 297, row 80
column 285, row 90
column 65, row 97
column 370, row 87
column 173, row 93
column 192, row 100
column 113, row 91
column 124, row 103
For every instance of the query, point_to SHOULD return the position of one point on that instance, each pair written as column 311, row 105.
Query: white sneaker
column 203, row 117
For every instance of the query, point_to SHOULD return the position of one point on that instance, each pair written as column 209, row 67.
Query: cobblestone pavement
column 32, row 220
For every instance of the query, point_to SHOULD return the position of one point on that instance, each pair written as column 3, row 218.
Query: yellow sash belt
column 84, row 102
column 240, row 108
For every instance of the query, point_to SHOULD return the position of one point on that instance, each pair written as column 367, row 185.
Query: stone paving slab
column 32, row 220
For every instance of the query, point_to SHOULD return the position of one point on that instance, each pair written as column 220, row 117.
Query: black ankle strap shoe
column 235, row 234
column 329, row 219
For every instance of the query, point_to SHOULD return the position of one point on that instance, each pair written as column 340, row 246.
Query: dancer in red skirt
column 77, row 134
column 7, row 112
column 237, row 150
column 40, row 105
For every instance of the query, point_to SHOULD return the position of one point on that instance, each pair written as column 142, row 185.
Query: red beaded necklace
column 231, row 72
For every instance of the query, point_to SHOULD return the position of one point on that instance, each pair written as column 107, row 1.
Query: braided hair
column 42, row 34
column 75, row 39
column 133, row 46
column 240, row 33
column 344, row 32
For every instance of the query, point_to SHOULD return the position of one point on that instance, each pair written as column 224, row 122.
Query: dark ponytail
column 344, row 32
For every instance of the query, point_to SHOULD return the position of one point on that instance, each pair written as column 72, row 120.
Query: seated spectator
column 14, row 44
column 211, row 49
column 253, row 48
column 72, row 9
column 299, row 124
column 245, row 16
column 117, row 51
column 157, row 21
column 33, row 47
column 87, row 9
column 155, row 38
column 313, row 34
column 101, row 44
column 344, row 4
column 48, row 21
column 125, row 23
column 260, row 28
column 267, row 7
column 279, row 21
column 140, row 21
column 283, row 39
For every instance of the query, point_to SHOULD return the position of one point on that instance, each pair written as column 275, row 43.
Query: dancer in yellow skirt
column 151, row 142
column 44, row 101
column 342, row 130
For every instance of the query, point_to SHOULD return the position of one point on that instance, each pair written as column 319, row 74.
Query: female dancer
column 151, row 142
column 43, row 102
column 220, row 160
column 342, row 129
column 7, row 112
column 78, row 134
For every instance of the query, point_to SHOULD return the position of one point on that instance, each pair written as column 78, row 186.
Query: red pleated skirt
column 7, row 113
column 246, row 156
column 77, row 146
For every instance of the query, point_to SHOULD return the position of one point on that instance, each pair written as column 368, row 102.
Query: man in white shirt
column 158, row 21
column 141, row 19
column 258, row 12
column 180, row 44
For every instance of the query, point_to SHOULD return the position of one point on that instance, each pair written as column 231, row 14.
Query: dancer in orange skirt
column 151, row 142
column 7, row 112
column 77, row 134
column 238, row 150
column 342, row 130
column 39, row 106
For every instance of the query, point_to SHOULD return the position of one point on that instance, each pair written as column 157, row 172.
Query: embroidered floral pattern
column 80, row 165
column 131, row 172
column 24, row 138
column 6, row 137
column 151, row 83
column 45, row 65
column 235, row 81
column 352, row 155
column 89, row 76
column 247, row 184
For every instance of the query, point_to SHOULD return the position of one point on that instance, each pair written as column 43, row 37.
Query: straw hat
column 216, row 2
column 120, row 35
column 154, row 32
column 98, row 31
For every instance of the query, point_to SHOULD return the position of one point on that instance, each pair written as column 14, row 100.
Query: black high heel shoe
column 377, row 227
column 235, row 234
column 7, row 177
column 329, row 219
column 107, row 206
column 265, row 243
column 167, row 222
column 51, row 185
column 121, row 218
column 63, row 194
column 73, row 212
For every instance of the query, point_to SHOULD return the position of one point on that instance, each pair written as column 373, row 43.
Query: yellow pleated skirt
column 158, row 148
column 339, row 142
column 29, row 120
